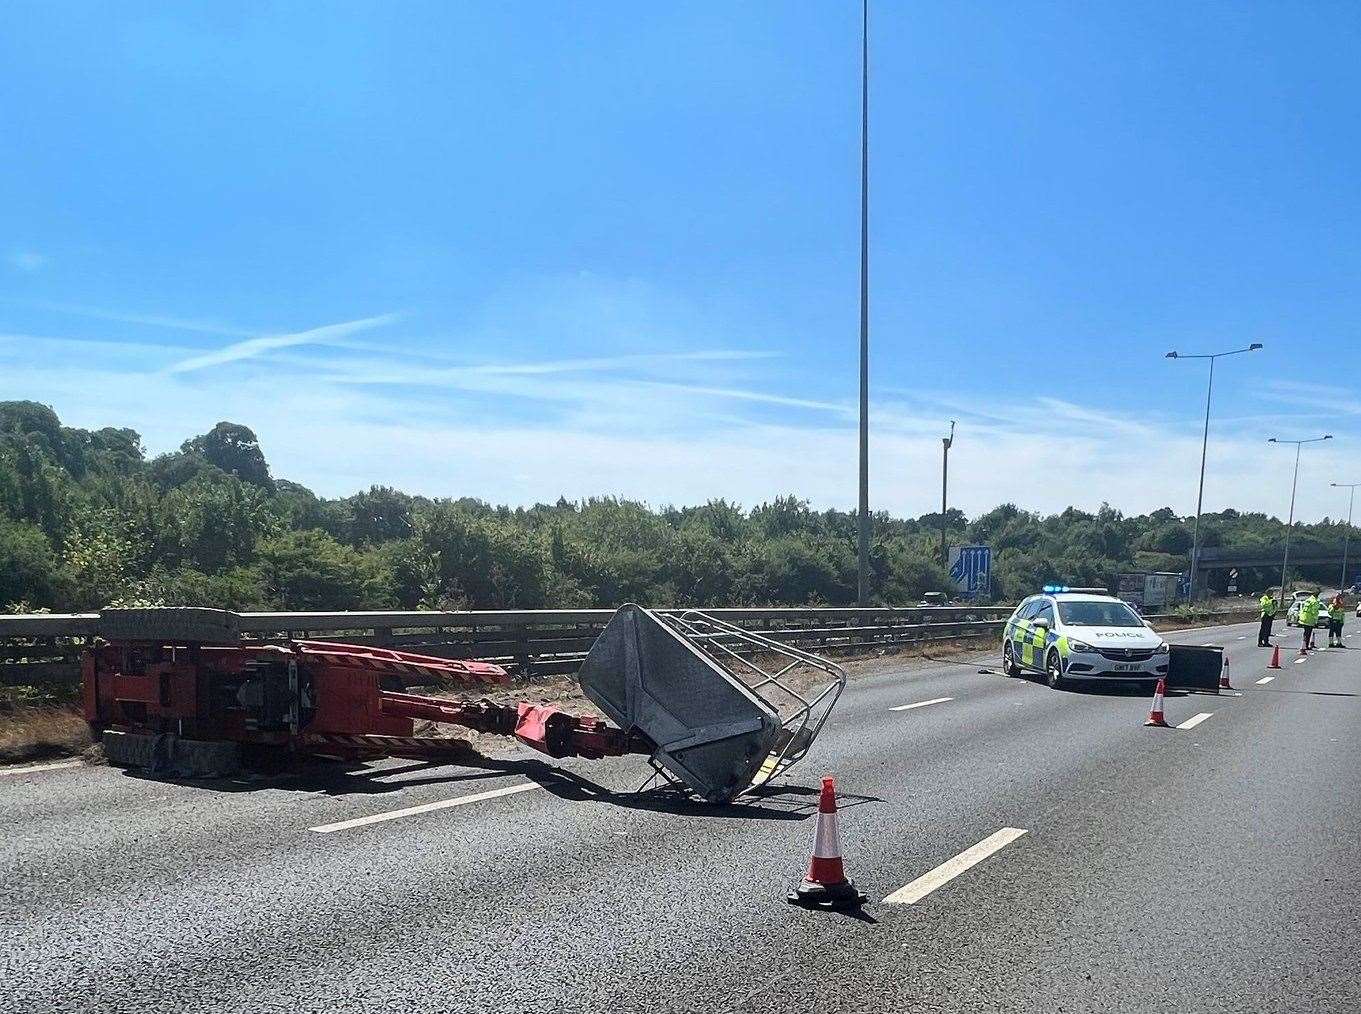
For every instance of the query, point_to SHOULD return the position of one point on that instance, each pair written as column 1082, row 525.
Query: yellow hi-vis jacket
column 1309, row 612
column 1268, row 605
column 1337, row 611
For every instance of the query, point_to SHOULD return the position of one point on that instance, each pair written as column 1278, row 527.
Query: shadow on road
column 340, row 778
column 777, row 802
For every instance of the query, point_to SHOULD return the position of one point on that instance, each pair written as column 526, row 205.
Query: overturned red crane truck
column 716, row 709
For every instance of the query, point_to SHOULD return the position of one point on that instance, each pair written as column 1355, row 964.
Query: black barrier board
column 1195, row 667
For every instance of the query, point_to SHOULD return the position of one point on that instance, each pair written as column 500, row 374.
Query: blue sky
column 518, row 250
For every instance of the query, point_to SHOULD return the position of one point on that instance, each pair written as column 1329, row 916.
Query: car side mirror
column 1042, row 623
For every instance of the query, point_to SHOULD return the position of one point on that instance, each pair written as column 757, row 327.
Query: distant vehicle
column 1072, row 634
column 1292, row 615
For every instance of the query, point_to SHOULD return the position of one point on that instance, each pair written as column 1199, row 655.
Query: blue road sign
column 971, row 571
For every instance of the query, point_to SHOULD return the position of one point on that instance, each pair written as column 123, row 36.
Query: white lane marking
column 1302, row 659
column 1265, row 679
column 443, row 804
column 921, row 704
column 30, row 768
column 951, row 868
column 1195, row 720
column 1243, row 638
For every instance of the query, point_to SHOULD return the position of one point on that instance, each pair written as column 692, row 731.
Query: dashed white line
column 1302, row 659
column 1195, row 720
column 1265, row 679
column 951, row 868
column 31, row 768
column 443, row 804
column 921, row 704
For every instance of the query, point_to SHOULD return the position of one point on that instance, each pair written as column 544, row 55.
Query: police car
column 1081, row 633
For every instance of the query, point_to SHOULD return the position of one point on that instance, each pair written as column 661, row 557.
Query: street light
column 1347, row 538
column 1204, row 446
column 944, row 487
column 863, row 535
column 1285, row 560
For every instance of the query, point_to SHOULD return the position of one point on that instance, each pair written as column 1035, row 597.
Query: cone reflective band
column 1224, row 683
column 1155, row 714
column 826, row 867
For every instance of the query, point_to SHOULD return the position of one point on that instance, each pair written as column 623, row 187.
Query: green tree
column 311, row 570
column 28, row 567
column 214, row 522
column 235, row 450
column 97, row 557
column 457, row 560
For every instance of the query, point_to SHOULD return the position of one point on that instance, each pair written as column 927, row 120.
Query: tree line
column 88, row 520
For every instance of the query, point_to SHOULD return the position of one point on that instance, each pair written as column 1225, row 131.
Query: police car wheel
column 1009, row 666
column 1054, row 670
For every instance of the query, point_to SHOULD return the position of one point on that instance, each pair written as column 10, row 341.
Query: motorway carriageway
column 1023, row 849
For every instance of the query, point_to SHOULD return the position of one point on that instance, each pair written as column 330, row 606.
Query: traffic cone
column 1155, row 714
column 826, row 886
column 1275, row 658
column 1224, row 683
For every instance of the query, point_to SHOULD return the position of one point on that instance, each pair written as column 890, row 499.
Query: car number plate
column 1125, row 667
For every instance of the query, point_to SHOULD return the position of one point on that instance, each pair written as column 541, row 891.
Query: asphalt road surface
column 1209, row 868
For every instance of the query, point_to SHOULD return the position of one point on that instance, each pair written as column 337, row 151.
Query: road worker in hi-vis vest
column 1268, row 604
column 1309, row 620
column 1337, row 612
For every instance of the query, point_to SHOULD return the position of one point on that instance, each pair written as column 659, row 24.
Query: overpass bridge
column 1224, row 558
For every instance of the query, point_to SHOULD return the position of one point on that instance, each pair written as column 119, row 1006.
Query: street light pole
column 1347, row 536
column 1204, row 449
column 863, row 541
column 1299, row 444
column 948, row 442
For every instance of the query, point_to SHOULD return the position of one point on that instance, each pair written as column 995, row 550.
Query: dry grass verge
column 36, row 733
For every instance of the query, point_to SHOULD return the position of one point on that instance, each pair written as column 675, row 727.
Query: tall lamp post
column 1347, row 538
column 1204, row 447
column 948, row 442
column 1285, row 560
column 863, row 539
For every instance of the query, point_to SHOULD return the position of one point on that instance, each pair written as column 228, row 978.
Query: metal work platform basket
column 729, row 709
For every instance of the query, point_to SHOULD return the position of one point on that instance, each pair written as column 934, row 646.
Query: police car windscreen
column 1098, row 614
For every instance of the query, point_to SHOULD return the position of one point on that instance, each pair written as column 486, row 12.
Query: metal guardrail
column 43, row 649
column 531, row 640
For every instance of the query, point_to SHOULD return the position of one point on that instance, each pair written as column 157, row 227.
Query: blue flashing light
column 1054, row 589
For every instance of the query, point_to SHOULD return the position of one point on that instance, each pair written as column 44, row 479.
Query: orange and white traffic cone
column 1275, row 658
column 826, row 885
column 1224, row 683
column 1155, row 714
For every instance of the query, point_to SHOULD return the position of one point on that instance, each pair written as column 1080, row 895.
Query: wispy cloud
column 385, row 371
column 667, row 442
column 26, row 260
column 1318, row 397
column 760, row 397
column 126, row 317
column 329, row 334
